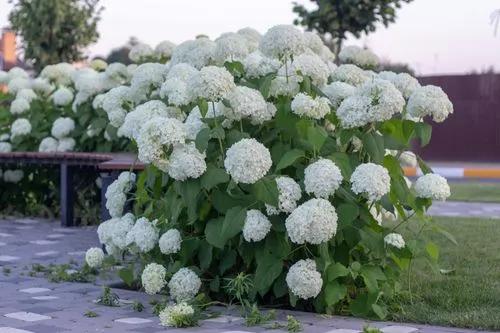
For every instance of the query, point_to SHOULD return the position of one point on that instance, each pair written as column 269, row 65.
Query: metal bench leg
column 67, row 196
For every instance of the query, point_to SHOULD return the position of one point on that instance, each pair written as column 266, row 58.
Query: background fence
column 472, row 133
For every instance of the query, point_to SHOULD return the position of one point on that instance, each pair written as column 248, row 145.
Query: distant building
column 8, row 58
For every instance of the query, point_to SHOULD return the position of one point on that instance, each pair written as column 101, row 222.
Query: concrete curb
column 454, row 172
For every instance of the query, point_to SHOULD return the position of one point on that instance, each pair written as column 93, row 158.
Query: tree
column 120, row 54
column 333, row 19
column 55, row 31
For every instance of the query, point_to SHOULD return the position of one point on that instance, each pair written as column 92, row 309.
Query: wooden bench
column 108, row 164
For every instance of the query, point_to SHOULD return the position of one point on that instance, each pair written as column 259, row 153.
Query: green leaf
column 266, row 85
column 213, row 177
column 213, row 231
column 205, row 255
column 432, row 250
column 227, row 261
column 371, row 274
column 201, row 140
column 374, row 146
column 379, row 310
column 334, row 292
column 347, row 213
column 268, row 270
column 266, row 190
column 316, row 136
column 289, row 158
column 336, row 270
column 127, row 275
column 203, row 106
column 233, row 222
column 423, row 132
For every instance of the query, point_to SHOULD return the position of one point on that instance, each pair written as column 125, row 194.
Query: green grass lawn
column 475, row 191
column 470, row 297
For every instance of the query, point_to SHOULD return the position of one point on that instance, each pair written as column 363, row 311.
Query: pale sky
column 433, row 36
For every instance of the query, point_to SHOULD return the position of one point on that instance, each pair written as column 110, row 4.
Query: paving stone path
column 32, row 304
column 465, row 209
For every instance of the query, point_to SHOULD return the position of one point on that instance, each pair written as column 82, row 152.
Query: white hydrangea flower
column 406, row 83
column 337, row 92
column 432, row 186
column 372, row 180
column 395, row 240
column 17, row 72
column 230, row 47
column 289, row 194
column 281, row 86
column 164, row 49
column 313, row 42
column 170, row 242
column 184, row 285
column 27, row 94
column 172, row 315
column 408, row 159
column 20, row 127
column 134, row 120
column 313, row 66
column 18, row 83
column 247, row 161
column 117, row 72
column 146, row 79
column 42, row 86
column 305, row 106
column 48, row 144
column 429, row 101
column 194, row 123
column 59, row 74
column 116, row 193
column 105, row 231
column 350, row 74
column 283, row 41
column 212, row 83
column 387, row 75
column 256, row 65
column 94, row 257
column 322, row 178
column 153, row 278
column 182, row 71
column 140, row 52
column 113, row 104
column 256, row 227
column 185, row 162
column 143, row 236
column 119, row 230
column 5, row 147
column 13, row 176
column 248, row 103
column 177, row 92
column 252, row 36
column 198, row 52
column 66, row 144
column 314, row 222
column 156, row 133
column 358, row 56
column 19, row 106
column 376, row 100
column 62, row 96
column 62, row 127
column 303, row 279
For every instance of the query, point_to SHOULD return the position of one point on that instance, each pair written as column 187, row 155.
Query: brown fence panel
column 472, row 133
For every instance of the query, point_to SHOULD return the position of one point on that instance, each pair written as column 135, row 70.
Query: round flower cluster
column 371, row 180
column 212, row 83
column 13, row 176
column 177, row 315
column 247, row 161
column 94, row 257
column 377, row 100
column 184, row 285
column 62, row 127
column 283, row 41
column 248, row 103
column 289, row 193
column 153, row 278
column 20, row 127
column 170, row 242
column 304, row 280
column 358, row 56
column 395, row 240
column 314, row 222
column 185, row 162
column 48, row 144
column 116, row 193
column 143, row 236
column 256, row 227
column 306, row 106
column 429, row 101
column 19, row 106
column 432, row 186
column 338, row 91
column 62, row 96
column 5, row 147
column 322, row 178
column 140, row 52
